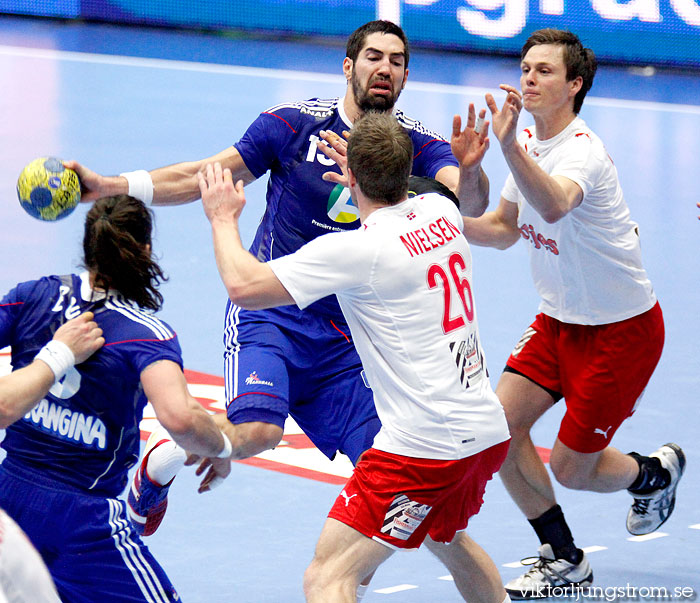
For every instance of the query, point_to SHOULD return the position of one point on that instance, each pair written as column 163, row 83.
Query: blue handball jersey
column 85, row 432
column 300, row 204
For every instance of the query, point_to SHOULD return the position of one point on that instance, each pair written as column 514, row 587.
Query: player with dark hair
column 73, row 416
column 443, row 431
column 286, row 361
column 600, row 330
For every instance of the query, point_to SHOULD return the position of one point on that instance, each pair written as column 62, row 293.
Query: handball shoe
column 148, row 501
column 650, row 511
column 550, row 577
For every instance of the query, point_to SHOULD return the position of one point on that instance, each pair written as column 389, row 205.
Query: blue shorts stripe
column 232, row 347
column 130, row 551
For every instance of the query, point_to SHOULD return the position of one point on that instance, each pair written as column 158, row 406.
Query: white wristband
column 58, row 356
column 140, row 185
column 228, row 448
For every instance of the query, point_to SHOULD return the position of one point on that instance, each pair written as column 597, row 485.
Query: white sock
column 164, row 462
column 362, row 591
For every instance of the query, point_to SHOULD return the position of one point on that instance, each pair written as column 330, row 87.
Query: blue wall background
column 656, row 32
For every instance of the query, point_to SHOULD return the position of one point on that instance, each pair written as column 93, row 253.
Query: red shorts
column 398, row 500
column 600, row 370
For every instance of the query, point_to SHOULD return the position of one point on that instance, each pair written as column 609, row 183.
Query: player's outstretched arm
column 171, row 185
column 498, row 228
column 250, row 284
column 468, row 181
column 73, row 343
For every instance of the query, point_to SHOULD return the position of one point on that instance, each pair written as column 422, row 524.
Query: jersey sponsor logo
column 68, row 424
column 253, row 379
column 468, row 359
column 528, row 232
column 326, row 227
column 403, row 517
column 341, row 207
column 430, row 237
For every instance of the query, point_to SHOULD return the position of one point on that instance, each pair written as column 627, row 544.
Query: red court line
column 292, row 470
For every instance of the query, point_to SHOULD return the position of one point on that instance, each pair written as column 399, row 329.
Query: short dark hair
column 380, row 154
column 116, row 248
column 579, row 61
column 357, row 38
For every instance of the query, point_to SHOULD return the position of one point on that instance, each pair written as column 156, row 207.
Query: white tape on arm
column 140, row 185
column 228, row 448
column 58, row 356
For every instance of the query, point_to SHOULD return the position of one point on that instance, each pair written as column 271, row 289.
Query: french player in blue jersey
column 72, row 417
column 285, row 361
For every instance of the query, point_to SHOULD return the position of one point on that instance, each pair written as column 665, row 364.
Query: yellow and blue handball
column 47, row 190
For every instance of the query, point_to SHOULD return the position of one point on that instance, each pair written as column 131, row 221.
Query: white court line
column 646, row 537
column 395, row 589
column 695, row 526
column 285, row 74
column 589, row 549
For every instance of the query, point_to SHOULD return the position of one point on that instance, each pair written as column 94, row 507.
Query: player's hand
column 93, row 186
column 505, row 120
column 217, row 470
column 335, row 148
column 220, row 198
column 81, row 335
column 469, row 145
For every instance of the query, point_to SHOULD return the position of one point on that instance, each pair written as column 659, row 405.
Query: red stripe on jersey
column 339, row 331
column 281, row 119
column 11, row 304
column 425, row 145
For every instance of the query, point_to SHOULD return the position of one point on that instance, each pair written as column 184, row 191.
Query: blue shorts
column 86, row 541
column 285, row 361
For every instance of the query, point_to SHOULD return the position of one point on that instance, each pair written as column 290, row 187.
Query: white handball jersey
column 587, row 267
column 23, row 575
column 403, row 281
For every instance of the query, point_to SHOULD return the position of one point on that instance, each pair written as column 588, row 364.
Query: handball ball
column 47, row 190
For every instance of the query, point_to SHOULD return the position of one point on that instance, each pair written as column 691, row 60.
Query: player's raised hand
column 221, row 199
column 470, row 144
column 505, row 120
column 335, row 148
column 82, row 335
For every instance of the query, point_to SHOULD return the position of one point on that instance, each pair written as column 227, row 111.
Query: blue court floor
column 120, row 99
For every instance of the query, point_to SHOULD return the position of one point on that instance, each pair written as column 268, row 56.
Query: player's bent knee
column 569, row 475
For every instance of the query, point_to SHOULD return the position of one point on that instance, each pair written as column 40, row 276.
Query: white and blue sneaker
column 550, row 577
column 649, row 511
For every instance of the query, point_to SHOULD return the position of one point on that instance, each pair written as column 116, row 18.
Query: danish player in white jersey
column 403, row 281
column 600, row 331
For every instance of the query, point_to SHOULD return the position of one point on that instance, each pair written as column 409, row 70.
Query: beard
column 369, row 102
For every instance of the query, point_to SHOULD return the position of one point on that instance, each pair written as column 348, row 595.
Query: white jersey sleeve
column 324, row 266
